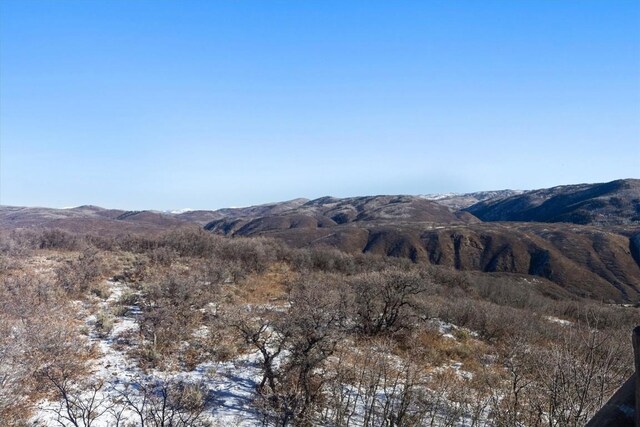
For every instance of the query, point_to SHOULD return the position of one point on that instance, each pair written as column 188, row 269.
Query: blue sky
column 207, row 104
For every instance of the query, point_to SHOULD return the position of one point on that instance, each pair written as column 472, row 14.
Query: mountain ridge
column 611, row 203
column 545, row 234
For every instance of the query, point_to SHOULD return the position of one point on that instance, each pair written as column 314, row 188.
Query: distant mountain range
column 583, row 238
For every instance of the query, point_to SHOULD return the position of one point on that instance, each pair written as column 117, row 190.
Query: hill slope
column 595, row 261
column 523, row 233
column 328, row 212
column 88, row 219
column 461, row 201
column 611, row 203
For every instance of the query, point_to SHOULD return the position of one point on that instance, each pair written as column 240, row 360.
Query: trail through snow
column 230, row 385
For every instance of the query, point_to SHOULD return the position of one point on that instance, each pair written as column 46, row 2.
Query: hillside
column 522, row 233
column 593, row 261
column 588, row 261
column 611, row 203
column 88, row 219
column 328, row 212
column 192, row 329
column 461, row 201
column 203, row 217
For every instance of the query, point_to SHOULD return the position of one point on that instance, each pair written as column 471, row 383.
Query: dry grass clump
column 100, row 289
column 271, row 287
column 104, row 322
column 127, row 298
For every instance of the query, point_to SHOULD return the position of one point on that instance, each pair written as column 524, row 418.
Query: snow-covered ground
column 447, row 329
column 559, row 321
column 230, row 385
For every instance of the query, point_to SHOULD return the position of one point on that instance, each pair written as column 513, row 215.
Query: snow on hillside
column 180, row 211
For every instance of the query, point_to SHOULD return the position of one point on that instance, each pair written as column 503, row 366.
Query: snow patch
column 562, row 322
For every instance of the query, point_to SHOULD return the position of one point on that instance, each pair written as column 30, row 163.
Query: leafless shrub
column 509, row 292
column 103, row 243
column 100, row 289
column 294, row 347
column 189, row 241
column 37, row 335
column 78, row 276
column 315, row 324
column 15, row 244
column 575, row 376
column 373, row 387
column 14, row 374
column 169, row 403
column 163, row 256
column 331, row 260
column 256, row 329
column 171, row 310
column 80, row 404
column 57, row 239
column 384, row 300
column 254, row 255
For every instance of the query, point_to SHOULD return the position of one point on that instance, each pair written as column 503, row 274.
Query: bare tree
column 80, row 404
column 315, row 324
column 171, row 403
column 256, row 328
column 577, row 374
column 383, row 299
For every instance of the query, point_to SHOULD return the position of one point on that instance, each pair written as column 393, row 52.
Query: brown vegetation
column 339, row 338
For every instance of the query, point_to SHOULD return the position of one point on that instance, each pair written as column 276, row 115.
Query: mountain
column 83, row 219
column 203, row 217
column 585, row 239
column 587, row 261
column 611, row 203
column 461, row 201
column 600, row 261
column 328, row 212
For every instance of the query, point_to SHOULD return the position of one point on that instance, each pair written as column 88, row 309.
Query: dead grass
column 104, row 322
column 100, row 289
column 271, row 287
column 439, row 350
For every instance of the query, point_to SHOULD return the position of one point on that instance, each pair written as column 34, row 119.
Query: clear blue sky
column 207, row 104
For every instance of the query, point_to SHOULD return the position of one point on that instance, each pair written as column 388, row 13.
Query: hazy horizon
column 204, row 105
column 176, row 209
